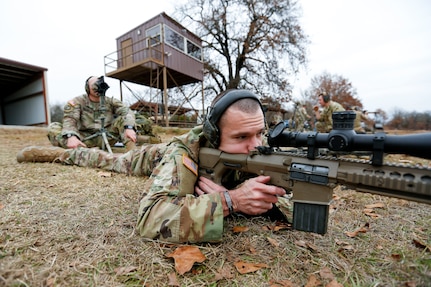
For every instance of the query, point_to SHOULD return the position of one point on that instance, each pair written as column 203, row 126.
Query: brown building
column 159, row 53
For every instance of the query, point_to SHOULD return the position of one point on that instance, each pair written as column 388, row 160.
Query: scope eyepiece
column 101, row 85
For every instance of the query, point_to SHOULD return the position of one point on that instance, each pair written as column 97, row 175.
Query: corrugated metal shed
column 23, row 98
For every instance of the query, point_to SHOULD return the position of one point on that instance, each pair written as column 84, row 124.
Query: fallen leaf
column 370, row 212
column 104, row 174
column 396, row 257
column 326, row 273
column 1, row 206
column 334, row 283
column 125, row 270
column 224, row 273
column 362, row 229
column 339, row 242
column 313, row 281
column 185, row 257
column 281, row 283
column 346, row 248
column 301, row 243
column 375, row 205
column 237, row 229
column 308, row 245
column 311, row 246
column 50, row 282
column 277, row 227
column 419, row 244
column 245, row 267
column 173, row 281
column 273, row 242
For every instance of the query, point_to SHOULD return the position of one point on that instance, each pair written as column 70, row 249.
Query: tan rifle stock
column 312, row 180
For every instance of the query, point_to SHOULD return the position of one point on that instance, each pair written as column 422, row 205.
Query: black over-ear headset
column 87, row 87
column 214, row 113
column 326, row 97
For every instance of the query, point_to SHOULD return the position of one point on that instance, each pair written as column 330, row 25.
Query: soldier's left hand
column 130, row 134
column 205, row 185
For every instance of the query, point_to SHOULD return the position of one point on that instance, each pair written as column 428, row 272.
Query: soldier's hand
column 255, row 196
column 74, row 142
column 130, row 134
column 205, row 185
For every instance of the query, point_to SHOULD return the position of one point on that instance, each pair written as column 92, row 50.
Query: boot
column 39, row 154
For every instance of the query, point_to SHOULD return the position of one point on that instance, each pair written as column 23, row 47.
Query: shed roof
column 14, row 75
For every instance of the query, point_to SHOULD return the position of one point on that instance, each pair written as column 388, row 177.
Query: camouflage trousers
column 56, row 138
column 137, row 162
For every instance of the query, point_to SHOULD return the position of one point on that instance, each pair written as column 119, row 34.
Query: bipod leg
column 105, row 143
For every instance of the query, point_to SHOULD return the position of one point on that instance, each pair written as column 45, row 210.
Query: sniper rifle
column 311, row 177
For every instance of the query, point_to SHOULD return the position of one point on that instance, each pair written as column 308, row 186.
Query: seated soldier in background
column 178, row 204
column 359, row 119
column 324, row 118
column 82, row 121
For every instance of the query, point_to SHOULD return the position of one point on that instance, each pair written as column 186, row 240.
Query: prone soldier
column 178, row 204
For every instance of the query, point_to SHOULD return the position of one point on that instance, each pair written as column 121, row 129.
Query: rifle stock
column 312, row 180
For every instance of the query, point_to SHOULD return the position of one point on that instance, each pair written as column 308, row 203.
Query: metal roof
column 15, row 75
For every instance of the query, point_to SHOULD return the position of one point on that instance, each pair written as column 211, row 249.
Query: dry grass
column 71, row 226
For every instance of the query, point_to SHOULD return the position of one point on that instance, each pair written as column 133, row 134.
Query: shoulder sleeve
column 71, row 118
column 170, row 211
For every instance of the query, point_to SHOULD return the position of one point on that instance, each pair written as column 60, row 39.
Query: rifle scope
column 344, row 139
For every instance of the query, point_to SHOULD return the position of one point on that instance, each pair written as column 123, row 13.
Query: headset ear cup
column 87, row 87
column 211, row 132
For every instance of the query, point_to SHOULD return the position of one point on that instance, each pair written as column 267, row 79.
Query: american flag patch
column 190, row 164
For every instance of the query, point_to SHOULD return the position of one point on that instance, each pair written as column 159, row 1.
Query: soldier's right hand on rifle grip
column 254, row 196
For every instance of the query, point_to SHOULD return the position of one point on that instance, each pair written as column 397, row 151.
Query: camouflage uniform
column 82, row 119
column 168, row 210
column 301, row 119
column 324, row 124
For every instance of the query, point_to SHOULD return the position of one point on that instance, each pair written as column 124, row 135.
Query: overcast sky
column 383, row 47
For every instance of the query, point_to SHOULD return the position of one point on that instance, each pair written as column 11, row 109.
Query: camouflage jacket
column 326, row 115
column 81, row 114
column 169, row 210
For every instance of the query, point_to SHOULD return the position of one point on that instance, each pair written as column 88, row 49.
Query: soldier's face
column 94, row 96
column 321, row 101
column 241, row 132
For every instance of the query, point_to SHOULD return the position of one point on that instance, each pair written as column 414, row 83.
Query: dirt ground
column 72, row 226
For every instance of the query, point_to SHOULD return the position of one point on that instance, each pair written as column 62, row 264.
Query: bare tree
column 248, row 43
column 340, row 89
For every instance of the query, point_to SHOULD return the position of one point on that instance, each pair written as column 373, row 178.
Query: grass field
column 71, row 226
